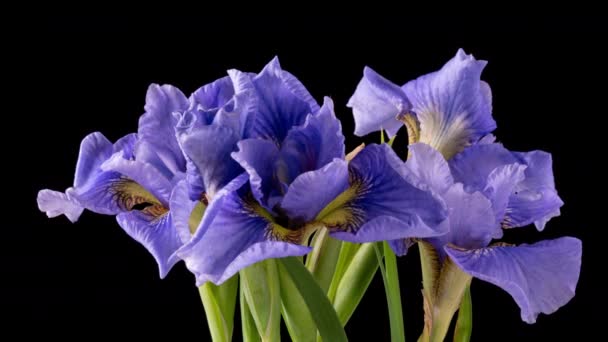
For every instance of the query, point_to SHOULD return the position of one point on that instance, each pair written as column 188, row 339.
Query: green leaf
column 316, row 301
column 464, row 324
column 219, row 303
column 262, row 291
column 250, row 333
column 321, row 262
column 298, row 320
column 393, row 294
column 355, row 281
column 347, row 252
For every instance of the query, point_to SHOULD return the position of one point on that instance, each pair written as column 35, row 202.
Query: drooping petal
column 312, row 145
column 378, row 188
column 312, row 191
column 430, row 167
column 283, row 103
column 540, row 277
column 235, row 232
column 452, row 105
column 376, row 103
column 209, row 149
column 156, row 126
column 258, row 157
column 153, row 228
column 535, row 198
column 183, row 215
column 471, row 220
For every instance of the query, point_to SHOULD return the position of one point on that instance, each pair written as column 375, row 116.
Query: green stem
column 262, row 291
column 219, row 303
column 464, row 324
column 390, row 276
column 321, row 262
column 250, row 333
column 347, row 252
column 296, row 316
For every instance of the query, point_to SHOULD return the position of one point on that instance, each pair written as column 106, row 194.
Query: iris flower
column 296, row 181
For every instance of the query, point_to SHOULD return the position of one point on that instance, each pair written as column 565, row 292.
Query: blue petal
column 501, row 185
column 55, row 203
column 213, row 95
column 314, row 190
column 379, row 188
column 156, row 126
column 535, row 198
column 209, row 148
column 232, row 236
column 430, row 167
column 471, row 220
column 473, row 165
column 452, row 105
column 156, row 233
column 258, row 157
column 311, row 146
column 541, row 277
column 94, row 150
column 283, row 103
column 376, row 104
column 181, row 209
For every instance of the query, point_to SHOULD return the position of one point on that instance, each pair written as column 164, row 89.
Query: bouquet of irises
column 248, row 182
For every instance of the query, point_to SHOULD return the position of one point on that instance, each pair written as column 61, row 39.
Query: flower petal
column 473, row 165
column 156, row 126
column 471, row 220
column 209, row 148
column 234, row 234
column 379, row 187
column 182, row 208
column 452, row 105
column 430, row 167
column 213, row 95
column 94, row 150
column 535, row 198
column 312, row 145
column 55, row 203
column 156, row 233
column 376, row 104
column 283, row 103
column 500, row 186
column 258, row 157
column 541, row 277
column 312, row 191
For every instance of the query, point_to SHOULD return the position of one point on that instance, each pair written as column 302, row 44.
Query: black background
column 76, row 75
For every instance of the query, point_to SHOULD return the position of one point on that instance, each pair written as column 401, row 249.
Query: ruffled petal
column 452, row 105
column 430, row 167
column 258, row 157
column 540, row 277
column 55, row 203
column 376, row 104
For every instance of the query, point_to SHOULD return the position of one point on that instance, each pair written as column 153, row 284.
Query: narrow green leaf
column 391, row 141
column 250, row 333
column 355, row 281
column 393, row 294
column 321, row 262
column 347, row 252
column 381, row 136
column 261, row 286
column 219, row 303
column 316, row 301
column 464, row 324
column 297, row 318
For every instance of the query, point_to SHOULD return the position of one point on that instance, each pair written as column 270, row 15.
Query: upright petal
column 213, row 95
column 153, row 228
column 473, row 165
column 94, row 150
column 235, row 232
column 258, row 157
column 183, row 215
column 376, row 104
column 283, row 103
column 471, row 220
column 430, row 167
column 313, row 145
column 453, row 106
column 501, row 185
column 209, row 149
column 541, row 277
column 535, row 198
column 156, row 126
column 379, row 193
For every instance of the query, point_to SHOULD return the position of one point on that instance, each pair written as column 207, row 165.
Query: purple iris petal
column 156, row 233
column 233, row 235
column 453, row 106
column 181, row 210
column 283, row 103
column 376, row 104
column 541, row 277
column 430, row 167
column 258, row 157
column 383, row 193
column 156, row 126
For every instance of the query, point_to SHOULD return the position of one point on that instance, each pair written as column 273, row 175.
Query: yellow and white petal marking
column 343, row 213
column 447, row 136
